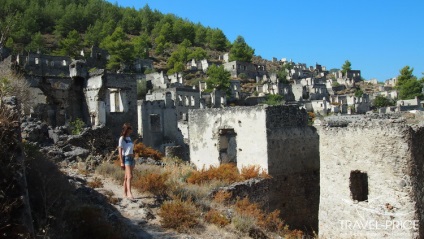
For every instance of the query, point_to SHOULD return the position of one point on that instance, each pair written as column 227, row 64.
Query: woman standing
column 126, row 155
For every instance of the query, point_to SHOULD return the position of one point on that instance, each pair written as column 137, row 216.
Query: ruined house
column 249, row 69
column 371, row 179
column 63, row 90
column 158, row 121
column 184, row 98
column 112, row 99
column 275, row 138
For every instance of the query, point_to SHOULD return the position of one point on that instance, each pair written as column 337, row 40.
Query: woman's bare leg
column 125, row 184
column 128, row 176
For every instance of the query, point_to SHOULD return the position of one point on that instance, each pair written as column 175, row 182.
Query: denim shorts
column 128, row 160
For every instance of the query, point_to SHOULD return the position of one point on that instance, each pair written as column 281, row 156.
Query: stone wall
column 127, row 85
column 293, row 162
column 207, row 126
column 159, row 124
column 371, row 180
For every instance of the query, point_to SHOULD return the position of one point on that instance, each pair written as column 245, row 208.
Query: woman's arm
column 121, row 157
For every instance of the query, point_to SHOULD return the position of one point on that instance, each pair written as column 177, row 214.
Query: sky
column 379, row 37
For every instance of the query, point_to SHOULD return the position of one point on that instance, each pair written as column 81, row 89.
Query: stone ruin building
column 63, row 90
column 325, row 178
column 332, row 178
column 371, row 179
column 275, row 138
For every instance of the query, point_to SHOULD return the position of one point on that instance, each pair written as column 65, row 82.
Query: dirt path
column 140, row 214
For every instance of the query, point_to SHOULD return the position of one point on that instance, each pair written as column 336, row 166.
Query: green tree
column 381, row 101
column 240, row 51
column 218, row 78
column 274, row 99
column 358, row 93
column 346, row 67
column 408, row 85
column 283, row 72
column 179, row 58
column 120, row 49
column 71, row 45
column 131, row 21
column 6, row 27
column 37, row 43
column 141, row 45
column 198, row 54
column 148, row 19
column 94, row 34
column 200, row 35
column 217, row 40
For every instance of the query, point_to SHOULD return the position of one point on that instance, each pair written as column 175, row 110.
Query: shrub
column 225, row 172
column 249, row 172
column 222, row 196
column 153, row 182
column 179, row 215
column 269, row 222
column 245, row 207
column 141, row 150
column 96, row 183
column 215, row 217
column 272, row 222
column 111, row 170
column 77, row 126
column 243, row 223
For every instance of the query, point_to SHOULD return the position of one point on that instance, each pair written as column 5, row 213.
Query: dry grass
column 222, row 197
column 215, row 217
column 141, row 150
column 96, row 183
column 225, row 172
column 154, row 183
column 179, row 215
column 113, row 170
column 248, row 212
column 191, row 191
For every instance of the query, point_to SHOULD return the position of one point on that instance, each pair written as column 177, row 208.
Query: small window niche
column 155, row 123
column 359, row 185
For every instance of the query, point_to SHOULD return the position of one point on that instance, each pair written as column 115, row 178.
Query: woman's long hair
column 125, row 129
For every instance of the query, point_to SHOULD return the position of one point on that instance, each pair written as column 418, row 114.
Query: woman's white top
column 127, row 145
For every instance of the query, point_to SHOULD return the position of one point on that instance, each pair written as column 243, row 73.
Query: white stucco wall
column 247, row 122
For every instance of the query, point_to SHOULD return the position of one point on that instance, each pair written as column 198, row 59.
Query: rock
column 76, row 152
column 145, row 213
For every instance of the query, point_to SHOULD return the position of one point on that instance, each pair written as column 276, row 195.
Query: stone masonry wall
column 418, row 174
column 293, row 162
column 128, row 84
column 383, row 152
column 248, row 124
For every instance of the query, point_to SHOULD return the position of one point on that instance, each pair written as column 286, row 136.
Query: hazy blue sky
column 378, row 37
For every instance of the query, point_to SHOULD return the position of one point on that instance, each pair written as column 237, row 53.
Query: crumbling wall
column 375, row 159
column 127, row 86
column 417, row 149
column 159, row 124
column 293, row 162
column 206, row 127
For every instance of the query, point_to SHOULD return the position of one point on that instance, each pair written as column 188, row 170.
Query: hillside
column 62, row 27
